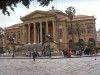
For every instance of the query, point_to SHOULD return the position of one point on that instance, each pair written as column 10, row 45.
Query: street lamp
column 13, row 43
column 48, row 45
column 12, row 40
column 48, row 37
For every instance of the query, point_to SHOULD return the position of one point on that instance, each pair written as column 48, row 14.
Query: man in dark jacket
column 34, row 54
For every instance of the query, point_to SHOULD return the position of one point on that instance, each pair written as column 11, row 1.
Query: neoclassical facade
column 37, row 25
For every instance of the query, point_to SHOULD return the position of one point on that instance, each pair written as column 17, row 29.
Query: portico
column 36, row 32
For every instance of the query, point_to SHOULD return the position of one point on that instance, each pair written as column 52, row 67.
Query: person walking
column 34, row 54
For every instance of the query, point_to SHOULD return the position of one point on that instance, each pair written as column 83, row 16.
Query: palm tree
column 78, row 30
column 70, row 11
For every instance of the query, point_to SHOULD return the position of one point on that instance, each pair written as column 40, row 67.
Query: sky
column 82, row 7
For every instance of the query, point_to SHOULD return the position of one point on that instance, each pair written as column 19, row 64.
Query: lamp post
column 48, row 45
column 13, row 43
column 48, row 36
column 12, row 40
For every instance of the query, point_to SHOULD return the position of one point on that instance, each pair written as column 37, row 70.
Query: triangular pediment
column 35, row 14
column 38, row 15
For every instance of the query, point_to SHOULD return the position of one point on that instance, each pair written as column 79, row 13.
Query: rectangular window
column 69, row 29
column 89, row 29
column 60, row 33
column 18, row 34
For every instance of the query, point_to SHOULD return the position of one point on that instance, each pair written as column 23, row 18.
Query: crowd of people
column 80, row 52
column 69, row 52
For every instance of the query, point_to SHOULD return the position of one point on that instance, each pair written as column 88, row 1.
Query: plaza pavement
column 70, row 66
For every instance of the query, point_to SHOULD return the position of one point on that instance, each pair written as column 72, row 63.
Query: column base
column 56, row 54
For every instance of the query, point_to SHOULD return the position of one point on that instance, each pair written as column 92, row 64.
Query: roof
column 78, row 17
column 13, row 26
column 59, row 15
column 50, row 12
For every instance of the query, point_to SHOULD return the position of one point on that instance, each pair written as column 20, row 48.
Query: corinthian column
column 41, row 32
column 24, row 34
column 34, row 33
column 28, row 33
column 53, row 22
column 46, row 27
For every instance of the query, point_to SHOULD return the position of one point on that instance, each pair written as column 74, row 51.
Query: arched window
column 91, row 39
column 91, row 43
column 60, row 32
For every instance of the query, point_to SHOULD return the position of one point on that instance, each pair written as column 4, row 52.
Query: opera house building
column 39, row 25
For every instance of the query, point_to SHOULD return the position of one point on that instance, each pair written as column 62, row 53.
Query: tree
column 1, row 40
column 70, row 11
column 80, row 44
column 91, row 44
column 13, row 3
column 1, row 32
column 11, row 40
column 78, row 29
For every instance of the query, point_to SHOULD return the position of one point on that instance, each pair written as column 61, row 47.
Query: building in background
column 39, row 24
column 12, row 32
column 1, row 40
column 98, row 38
column 1, row 45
